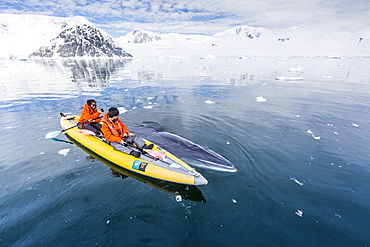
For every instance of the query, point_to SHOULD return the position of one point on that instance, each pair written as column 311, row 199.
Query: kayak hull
column 170, row 168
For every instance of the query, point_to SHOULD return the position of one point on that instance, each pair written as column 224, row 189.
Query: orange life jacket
column 113, row 132
column 89, row 113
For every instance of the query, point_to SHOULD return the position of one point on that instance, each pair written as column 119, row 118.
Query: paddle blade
column 86, row 132
column 52, row 134
column 155, row 154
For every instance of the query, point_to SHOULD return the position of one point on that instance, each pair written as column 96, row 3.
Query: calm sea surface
column 301, row 148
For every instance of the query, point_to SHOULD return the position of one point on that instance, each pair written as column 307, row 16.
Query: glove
column 101, row 110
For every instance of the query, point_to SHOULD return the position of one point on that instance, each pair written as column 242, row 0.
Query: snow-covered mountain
column 45, row 36
column 21, row 35
column 81, row 41
column 140, row 37
column 250, row 41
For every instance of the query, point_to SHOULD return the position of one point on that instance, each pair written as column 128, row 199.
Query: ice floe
column 209, row 102
column 298, row 69
column 234, row 201
column 355, row 125
column 295, row 180
column 260, row 99
column 64, row 152
column 294, row 78
column 122, row 110
column 178, row 198
column 316, row 137
column 299, row 213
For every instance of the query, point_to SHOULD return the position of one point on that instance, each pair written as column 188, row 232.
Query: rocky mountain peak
column 81, row 41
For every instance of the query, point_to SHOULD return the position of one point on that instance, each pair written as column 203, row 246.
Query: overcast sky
column 208, row 17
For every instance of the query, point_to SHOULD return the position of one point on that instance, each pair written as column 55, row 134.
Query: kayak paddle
column 54, row 134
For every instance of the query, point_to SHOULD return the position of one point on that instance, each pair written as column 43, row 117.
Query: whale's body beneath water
column 187, row 150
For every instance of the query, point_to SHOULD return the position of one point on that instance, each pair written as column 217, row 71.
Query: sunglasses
column 93, row 104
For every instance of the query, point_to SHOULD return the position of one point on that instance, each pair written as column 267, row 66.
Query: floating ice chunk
column 295, row 180
column 148, row 107
column 122, row 110
column 298, row 69
column 299, row 213
column 209, row 102
column 234, row 201
column 150, row 98
column 355, row 125
column 64, row 152
column 309, row 132
column 90, row 94
column 178, row 198
column 316, row 137
column 283, row 78
column 260, row 99
column 108, row 221
column 9, row 127
column 336, row 133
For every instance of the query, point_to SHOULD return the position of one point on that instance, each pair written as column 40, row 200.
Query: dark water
column 302, row 156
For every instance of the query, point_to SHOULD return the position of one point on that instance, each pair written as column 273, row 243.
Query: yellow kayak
column 168, row 168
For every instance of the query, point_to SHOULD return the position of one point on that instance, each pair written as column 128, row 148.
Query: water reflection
column 61, row 78
column 93, row 72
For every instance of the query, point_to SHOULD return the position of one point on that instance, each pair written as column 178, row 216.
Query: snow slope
column 21, row 35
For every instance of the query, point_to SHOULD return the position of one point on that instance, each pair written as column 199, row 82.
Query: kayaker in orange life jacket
column 117, row 134
column 90, row 112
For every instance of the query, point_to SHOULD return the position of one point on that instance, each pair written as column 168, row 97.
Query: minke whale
column 188, row 151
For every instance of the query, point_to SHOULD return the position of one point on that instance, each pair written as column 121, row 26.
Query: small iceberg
column 299, row 213
column 316, row 137
column 294, row 78
column 295, row 180
column 261, row 99
column 178, row 198
column 298, row 69
column 64, row 152
column 122, row 110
